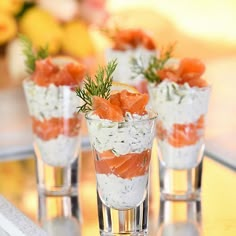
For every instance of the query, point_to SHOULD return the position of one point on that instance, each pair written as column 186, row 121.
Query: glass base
column 180, row 185
column 57, row 181
column 123, row 222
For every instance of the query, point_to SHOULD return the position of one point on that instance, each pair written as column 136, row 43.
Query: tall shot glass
column 180, row 138
column 122, row 153
column 55, row 126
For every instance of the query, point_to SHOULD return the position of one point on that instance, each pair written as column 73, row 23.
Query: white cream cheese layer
column 120, row 137
column 122, row 193
column 123, row 72
column 186, row 157
column 60, row 151
column 51, row 101
column 178, row 104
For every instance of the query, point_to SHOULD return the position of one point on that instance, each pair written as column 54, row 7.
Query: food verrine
column 128, row 44
column 121, row 133
column 180, row 95
column 51, row 99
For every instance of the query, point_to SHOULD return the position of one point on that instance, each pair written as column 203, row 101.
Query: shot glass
column 56, row 139
column 180, row 139
column 122, row 153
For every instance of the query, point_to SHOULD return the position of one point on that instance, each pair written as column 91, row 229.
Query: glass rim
column 153, row 116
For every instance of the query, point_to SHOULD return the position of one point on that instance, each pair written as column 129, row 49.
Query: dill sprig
column 100, row 86
column 155, row 64
column 32, row 56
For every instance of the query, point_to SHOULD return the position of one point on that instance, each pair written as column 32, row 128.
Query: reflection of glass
column 122, row 152
column 55, row 126
column 180, row 137
column 59, row 216
column 179, row 219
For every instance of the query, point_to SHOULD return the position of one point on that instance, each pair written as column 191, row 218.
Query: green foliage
column 30, row 55
column 154, row 65
column 100, row 86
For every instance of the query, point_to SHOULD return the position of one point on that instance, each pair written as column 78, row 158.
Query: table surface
column 214, row 215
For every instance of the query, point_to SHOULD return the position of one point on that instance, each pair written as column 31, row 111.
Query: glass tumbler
column 56, row 139
column 180, row 140
column 122, row 153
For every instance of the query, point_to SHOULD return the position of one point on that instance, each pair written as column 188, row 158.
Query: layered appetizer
column 128, row 44
column 179, row 94
column 121, row 134
column 51, row 100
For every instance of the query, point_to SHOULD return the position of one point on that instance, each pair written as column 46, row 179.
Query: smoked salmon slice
column 132, row 38
column 106, row 110
column 119, row 103
column 182, row 134
column 190, row 71
column 191, row 68
column 125, row 166
column 47, row 72
column 52, row 128
column 135, row 103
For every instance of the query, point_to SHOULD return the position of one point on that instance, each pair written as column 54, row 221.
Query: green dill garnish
column 154, row 65
column 100, row 86
column 32, row 56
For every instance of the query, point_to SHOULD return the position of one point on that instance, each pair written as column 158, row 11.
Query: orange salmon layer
column 125, row 166
column 52, row 128
column 48, row 73
column 189, row 71
column 182, row 134
column 118, row 104
column 132, row 38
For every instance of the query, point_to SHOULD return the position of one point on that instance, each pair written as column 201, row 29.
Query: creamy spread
column 179, row 104
column 51, row 101
column 120, row 137
column 122, row 193
column 185, row 157
column 60, row 151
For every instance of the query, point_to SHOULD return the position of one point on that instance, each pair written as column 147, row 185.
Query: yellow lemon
column 77, row 40
column 42, row 29
column 11, row 6
column 8, row 27
column 62, row 60
column 117, row 86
